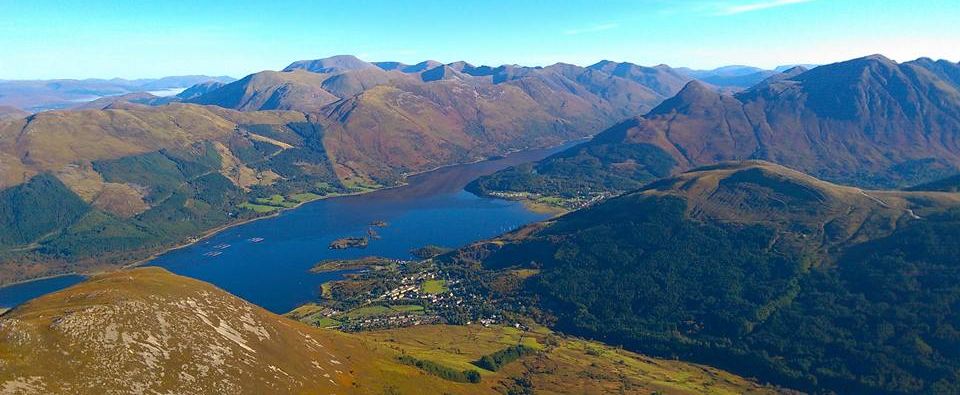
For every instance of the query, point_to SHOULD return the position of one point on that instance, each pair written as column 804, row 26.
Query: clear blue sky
column 79, row 39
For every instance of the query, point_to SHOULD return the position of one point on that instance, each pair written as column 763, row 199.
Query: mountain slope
column 146, row 330
column 661, row 79
column 270, row 90
column 81, row 190
column 757, row 269
column 430, row 114
column 7, row 113
column 868, row 122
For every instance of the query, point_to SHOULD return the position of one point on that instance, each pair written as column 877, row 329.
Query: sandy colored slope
column 149, row 331
column 51, row 140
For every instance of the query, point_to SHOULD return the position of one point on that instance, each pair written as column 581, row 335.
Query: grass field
column 434, row 286
column 276, row 200
column 564, row 365
column 259, row 208
column 304, row 197
column 378, row 310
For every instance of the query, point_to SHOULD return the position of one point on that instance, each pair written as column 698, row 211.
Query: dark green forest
column 637, row 272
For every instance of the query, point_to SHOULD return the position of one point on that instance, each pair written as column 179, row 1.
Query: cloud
column 739, row 9
column 592, row 29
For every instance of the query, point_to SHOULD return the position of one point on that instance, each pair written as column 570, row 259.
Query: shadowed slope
column 758, row 269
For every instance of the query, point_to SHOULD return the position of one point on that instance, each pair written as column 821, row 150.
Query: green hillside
column 757, row 269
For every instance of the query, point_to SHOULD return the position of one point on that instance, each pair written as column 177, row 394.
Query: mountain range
column 868, row 122
column 122, row 176
column 798, row 226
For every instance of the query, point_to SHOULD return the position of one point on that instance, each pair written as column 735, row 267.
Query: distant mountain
column 943, row 69
column 142, row 98
column 730, row 77
column 147, row 330
column 758, row 269
column 271, row 90
column 780, row 69
column 40, row 95
column 333, row 64
column 200, row 89
column 388, row 118
column 661, row 79
column 868, row 122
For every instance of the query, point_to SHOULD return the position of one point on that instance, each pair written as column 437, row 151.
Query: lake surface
column 15, row 294
column 432, row 209
column 274, row 273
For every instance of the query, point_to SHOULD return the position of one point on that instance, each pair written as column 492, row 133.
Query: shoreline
column 213, row 231
column 51, row 276
column 280, row 210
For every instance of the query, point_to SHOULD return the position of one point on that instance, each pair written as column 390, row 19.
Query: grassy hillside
column 151, row 331
column 557, row 364
column 757, row 269
column 85, row 189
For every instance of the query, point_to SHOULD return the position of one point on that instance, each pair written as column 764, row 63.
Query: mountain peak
column 695, row 90
column 333, row 64
column 795, row 70
column 601, row 64
column 876, row 57
column 693, row 93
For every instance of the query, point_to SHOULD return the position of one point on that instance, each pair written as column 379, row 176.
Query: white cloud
column 592, row 29
column 739, row 9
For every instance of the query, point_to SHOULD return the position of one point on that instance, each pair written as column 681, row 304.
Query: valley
column 338, row 225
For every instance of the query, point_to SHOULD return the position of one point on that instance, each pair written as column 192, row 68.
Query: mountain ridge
column 869, row 122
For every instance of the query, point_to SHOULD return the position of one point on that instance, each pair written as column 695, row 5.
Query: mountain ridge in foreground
column 147, row 330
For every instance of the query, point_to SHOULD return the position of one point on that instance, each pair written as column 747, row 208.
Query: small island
column 379, row 224
column 349, row 242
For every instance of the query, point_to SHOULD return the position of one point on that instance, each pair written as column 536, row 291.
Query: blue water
column 18, row 293
column 432, row 209
column 274, row 273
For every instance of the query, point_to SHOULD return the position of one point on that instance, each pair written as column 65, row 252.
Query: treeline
column 493, row 362
column 446, row 373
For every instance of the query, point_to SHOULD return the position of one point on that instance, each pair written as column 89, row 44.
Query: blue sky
column 80, row 39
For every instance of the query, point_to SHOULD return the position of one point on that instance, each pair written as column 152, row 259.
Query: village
column 396, row 293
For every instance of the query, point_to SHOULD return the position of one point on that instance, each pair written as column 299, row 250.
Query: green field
column 377, row 310
column 276, row 200
column 303, row 197
column 258, row 208
column 435, row 286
